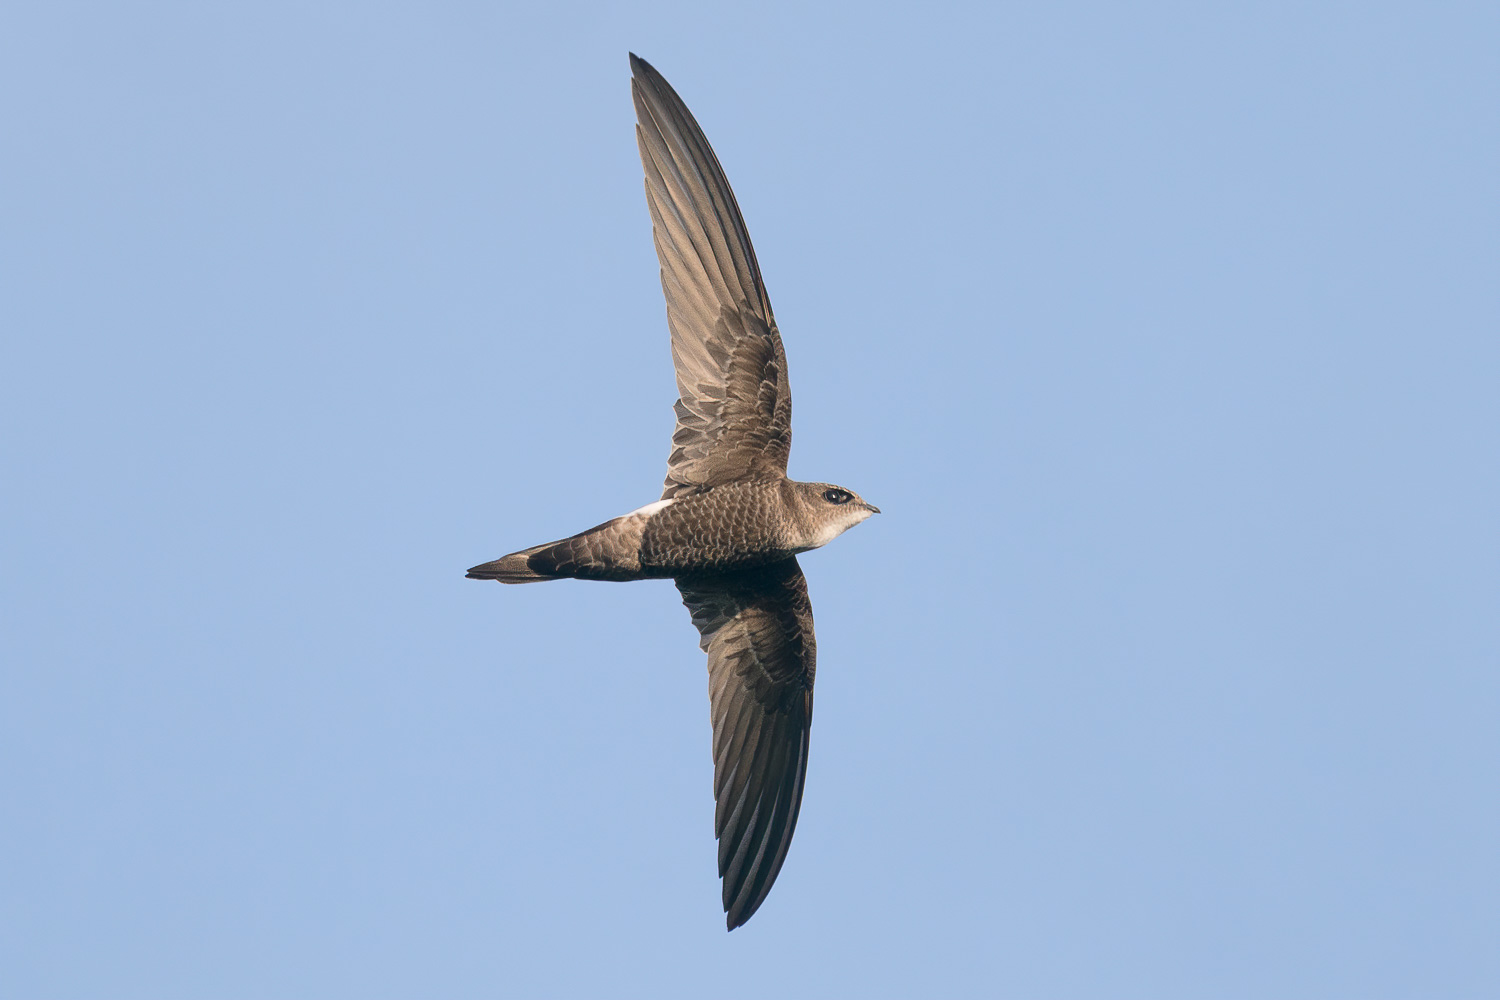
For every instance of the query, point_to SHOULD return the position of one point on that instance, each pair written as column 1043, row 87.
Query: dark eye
column 837, row 496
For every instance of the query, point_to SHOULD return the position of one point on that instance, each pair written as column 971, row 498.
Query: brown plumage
column 730, row 523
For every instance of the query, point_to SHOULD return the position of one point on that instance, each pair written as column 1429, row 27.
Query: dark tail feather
column 610, row 551
column 511, row 569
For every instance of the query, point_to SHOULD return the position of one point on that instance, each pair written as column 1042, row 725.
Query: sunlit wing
column 734, row 411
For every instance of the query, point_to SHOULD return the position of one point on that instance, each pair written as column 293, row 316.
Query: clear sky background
column 1166, row 335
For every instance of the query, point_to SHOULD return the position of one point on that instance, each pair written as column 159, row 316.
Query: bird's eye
column 837, row 496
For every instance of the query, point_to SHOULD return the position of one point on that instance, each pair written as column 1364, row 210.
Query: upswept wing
column 756, row 626
column 734, row 412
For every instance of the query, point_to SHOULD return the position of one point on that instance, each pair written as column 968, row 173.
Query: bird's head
column 828, row 511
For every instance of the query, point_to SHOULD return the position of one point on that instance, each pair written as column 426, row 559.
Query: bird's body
column 735, row 526
column 729, row 524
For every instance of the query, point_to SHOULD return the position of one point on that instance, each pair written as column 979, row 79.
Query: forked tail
column 612, row 551
column 513, row 568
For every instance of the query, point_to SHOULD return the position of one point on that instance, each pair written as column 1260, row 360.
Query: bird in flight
column 729, row 523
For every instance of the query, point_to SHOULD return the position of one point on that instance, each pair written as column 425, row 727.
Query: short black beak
column 872, row 508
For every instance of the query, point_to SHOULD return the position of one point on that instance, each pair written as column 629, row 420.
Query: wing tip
column 738, row 913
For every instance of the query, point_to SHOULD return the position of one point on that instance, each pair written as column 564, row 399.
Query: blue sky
column 1165, row 336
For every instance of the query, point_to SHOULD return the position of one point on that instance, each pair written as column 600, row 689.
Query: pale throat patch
column 828, row 532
